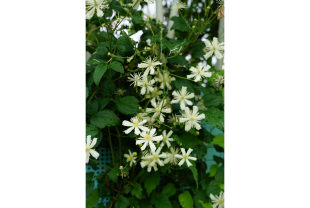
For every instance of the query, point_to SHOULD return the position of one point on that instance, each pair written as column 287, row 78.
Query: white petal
column 129, row 130
column 144, row 128
column 215, row 41
column 183, row 151
column 99, row 12
column 152, row 146
column 90, row 13
column 208, row 43
column 88, row 140
column 127, row 123
column 218, row 54
column 170, row 133
column 157, row 138
column 87, row 156
column 140, row 141
column 144, row 146
column 188, row 163
column 94, row 153
column 188, row 126
column 93, row 143
column 137, row 131
column 208, row 55
column 181, row 162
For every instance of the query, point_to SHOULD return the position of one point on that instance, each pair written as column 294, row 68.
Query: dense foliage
column 149, row 99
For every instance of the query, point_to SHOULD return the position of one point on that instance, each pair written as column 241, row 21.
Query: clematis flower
column 178, row 6
column 147, row 162
column 147, row 138
column 136, row 124
column 213, row 47
column 150, row 65
column 89, row 151
column 158, row 109
column 185, row 157
column 182, row 96
column 218, row 201
column 171, row 157
column 131, row 157
column 92, row 6
column 146, row 85
column 135, row 79
column 166, row 138
column 199, row 72
column 164, row 80
column 191, row 118
column 152, row 159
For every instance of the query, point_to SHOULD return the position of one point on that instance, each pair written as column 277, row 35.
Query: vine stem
column 110, row 141
column 120, row 145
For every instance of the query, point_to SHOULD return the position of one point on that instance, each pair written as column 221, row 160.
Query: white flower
column 152, row 159
column 171, row 157
column 148, row 164
column 136, row 124
column 146, row 85
column 178, row 5
column 164, row 80
column 92, row 5
column 130, row 158
column 158, row 109
column 185, row 157
column 148, row 138
column 182, row 96
column 149, row 1
column 218, row 201
column 166, row 139
column 219, row 80
column 150, row 65
column 192, row 118
column 155, row 94
column 199, row 72
column 214, row 47
column 143, row 116
column 89, row 145
column 135, row 79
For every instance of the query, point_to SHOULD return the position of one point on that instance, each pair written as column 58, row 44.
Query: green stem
column 110, row 141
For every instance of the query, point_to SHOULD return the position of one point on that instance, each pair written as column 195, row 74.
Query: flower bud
column 197, row 132
column 109, row 54
column 197, row 7
column 121, row 167
column 193, row 27
column 129, row 30
column 202, row 19
column 208, row 7
column 134, row 154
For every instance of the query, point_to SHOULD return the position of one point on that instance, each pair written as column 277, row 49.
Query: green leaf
column 214, row 117
column 151, row 182
column 99, row 72
column 169, row 190
column 219, row 176
column 164, row 168
column 89, row 187
column 95, row 61
column 218, row 159
column 186, row 200
column 200, row 151
column 214, row 188
column 179, row 24
column 205, row 205
column 91, row 130
column 117, row 66
column 102, row 50
column 194, row 171
column 174, row 204
column 86, row 92
column 102, row 102
column 200, row 195
column 162, row 201
column 128, row 105
column 93, row 199
column 189, row 141
column 212, row 100
column 105, row 118
column 92, row 107
column 218, row 140
column 179, row 60
column 108, row 88
column 137, row 190
column 222, row 186
column 128, row 189
column 122, row 202
column 213, row 170
column 134, row 203
column 113, row 174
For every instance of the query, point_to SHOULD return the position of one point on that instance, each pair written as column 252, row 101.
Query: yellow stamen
column 135, row 123
column 192, row 117
column 155, row 156
column 164, row 138
column 185, row 156
column 87, row 148
column 129, row 159
column 214, row 48
column 147, row 137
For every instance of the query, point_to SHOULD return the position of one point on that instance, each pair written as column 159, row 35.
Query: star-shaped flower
column 218, row 201
column 136, row 124
column 89, row 151
column 185, row 157
column 214, row 47
column 135, row 79
column 150, row 65
column 146, row 85
column 171, row 157
column 147, row 138
column 131, row 157
column 192, row 118
column 182, row 96
column 158, row 109
column 92, row 5
column 152, row 159
column 166, row 138
column 199, row 72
